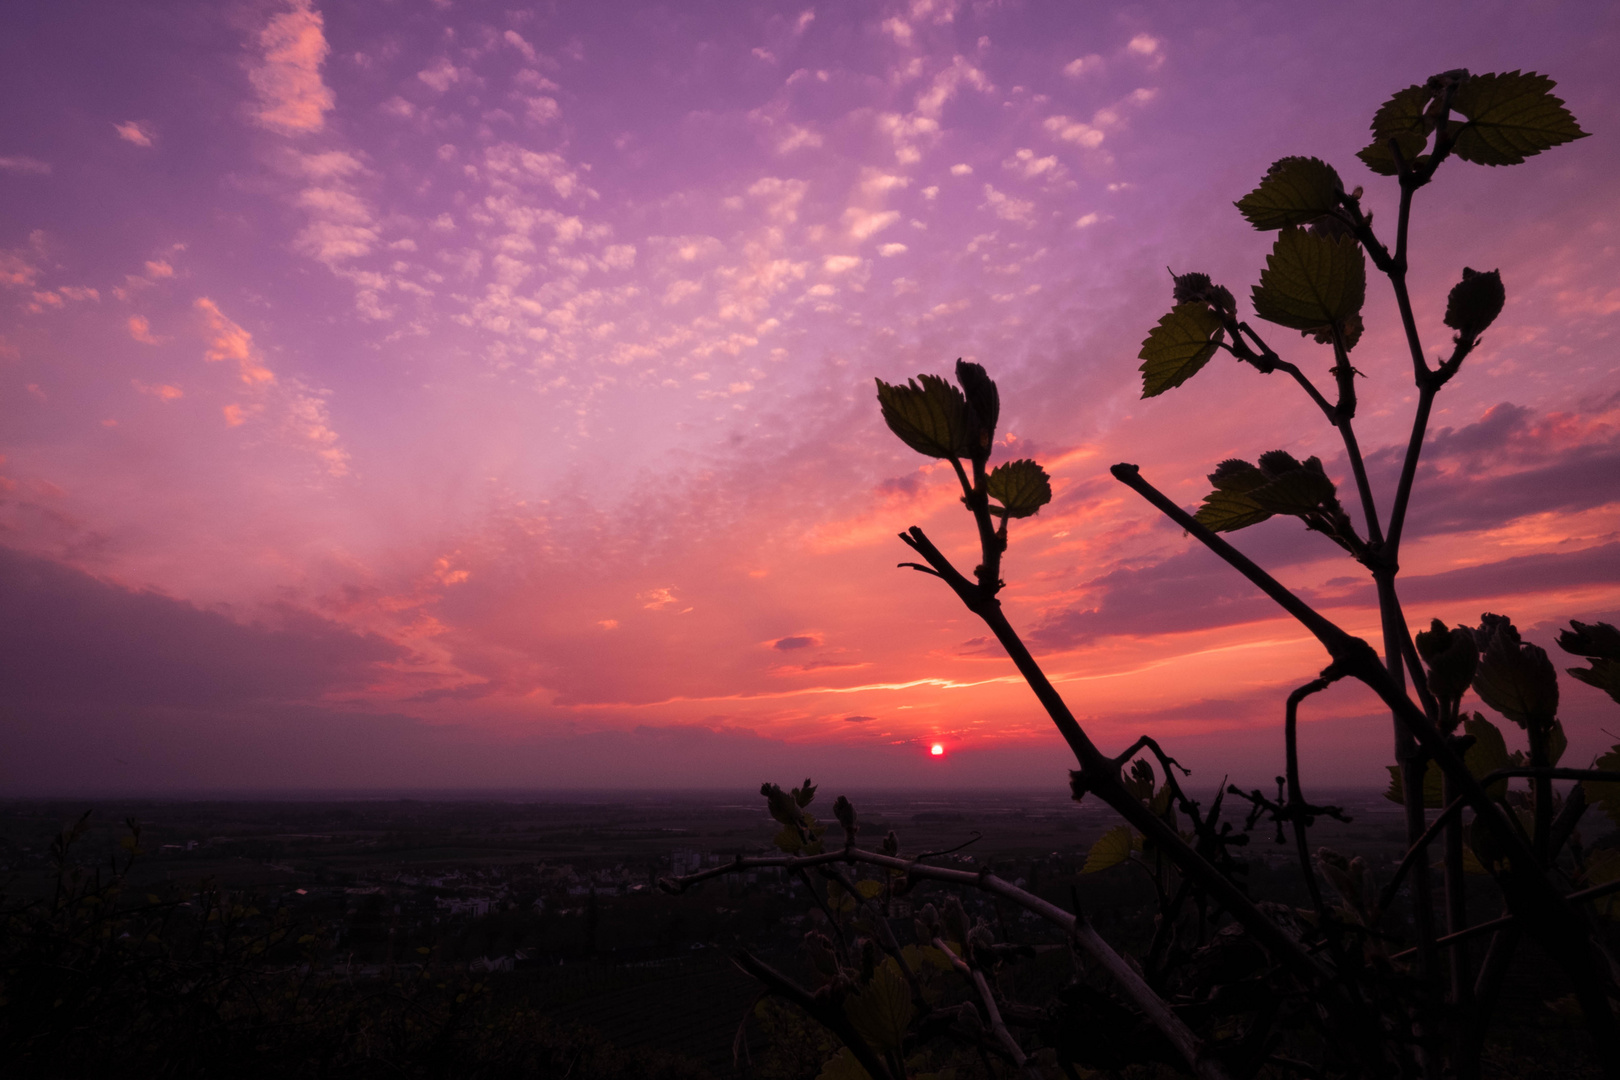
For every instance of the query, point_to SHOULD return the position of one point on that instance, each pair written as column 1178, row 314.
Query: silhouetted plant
column 1232, row 986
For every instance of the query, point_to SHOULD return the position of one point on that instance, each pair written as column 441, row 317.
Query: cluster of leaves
column 958, row 424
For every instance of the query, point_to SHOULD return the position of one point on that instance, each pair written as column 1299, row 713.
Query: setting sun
column 938, row 749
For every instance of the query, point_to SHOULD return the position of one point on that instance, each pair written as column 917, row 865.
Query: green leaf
column 869, row 890
column 1236, row 475
column 1603, row 674
column 929, row 415
column 1511, row 117
column 1404, row 119
column 1396, row 793
column 882, row 1011
column 1600, row 643
column 1295, row 191
column 843, row 1066
column 1298, row 492
column 1021, row 487
column 1475, row 302
column 1604, row 793
column 1140, row 782
column 1178, row 347
column 1451, row 656
column 1229, row 511
column 1404, row 114
column 1515, row 677
column 1111, row 849
column 1311, row 281
column 1380, row 159
column 984, row 405
column 1488, row 753
column 1591, row 640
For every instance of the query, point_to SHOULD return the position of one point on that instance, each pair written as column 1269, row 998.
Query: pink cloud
column 132, row 132
column 293, row 100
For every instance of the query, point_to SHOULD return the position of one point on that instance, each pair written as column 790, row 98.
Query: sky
column 452, row 396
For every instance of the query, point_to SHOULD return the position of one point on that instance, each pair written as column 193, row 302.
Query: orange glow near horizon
column 938, row 750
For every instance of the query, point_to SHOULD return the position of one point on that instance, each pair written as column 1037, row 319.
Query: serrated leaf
column 1590, row 639
column 1406, row 113
column 843, row 1066
column 1311, row 281
column 1511, row 117
column 869, row 890
column 984, row 404
column 1604, row 793
column 1178, row 347
column 1140, row 781
column 1402, row 118
column 1488, row 753
column 1297, row 492
column 1600, row 643
column 1475, row 302
column 1380, row 159
column 882, row 1011
column 1517, row 680
column 1229, row 511
column 1603, row 674
column 1021, row 487
column 1274, row 463
column 1111, row 849
column 1236, row 475
column 928, row 414
column 788, row 840
column 1295, row 191
column 1432, row 792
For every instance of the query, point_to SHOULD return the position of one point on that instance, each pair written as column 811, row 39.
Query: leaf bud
column 844, row 811
column 891, row 844
column 1196, row 288
column 984, row 405
column 1452, row 657
column 781, row 805
column 1475, row 302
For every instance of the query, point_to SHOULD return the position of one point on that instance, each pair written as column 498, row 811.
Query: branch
column 1527, row 892
column 1086, row 938
column 824, row 1010
column 998, row 1026
column 1596, row 892
column 1296, row 797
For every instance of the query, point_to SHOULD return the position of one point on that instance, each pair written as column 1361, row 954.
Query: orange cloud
column 141, row 330
column 162, row 391
column 228, row 341
column 292, row 98
column 132, row 132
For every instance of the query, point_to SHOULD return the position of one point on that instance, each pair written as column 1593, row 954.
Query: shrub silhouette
column 1231, row 986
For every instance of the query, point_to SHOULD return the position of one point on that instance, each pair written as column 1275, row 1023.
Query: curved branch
column 1130, row 983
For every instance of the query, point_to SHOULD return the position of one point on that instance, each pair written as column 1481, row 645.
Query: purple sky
column 445, row 395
